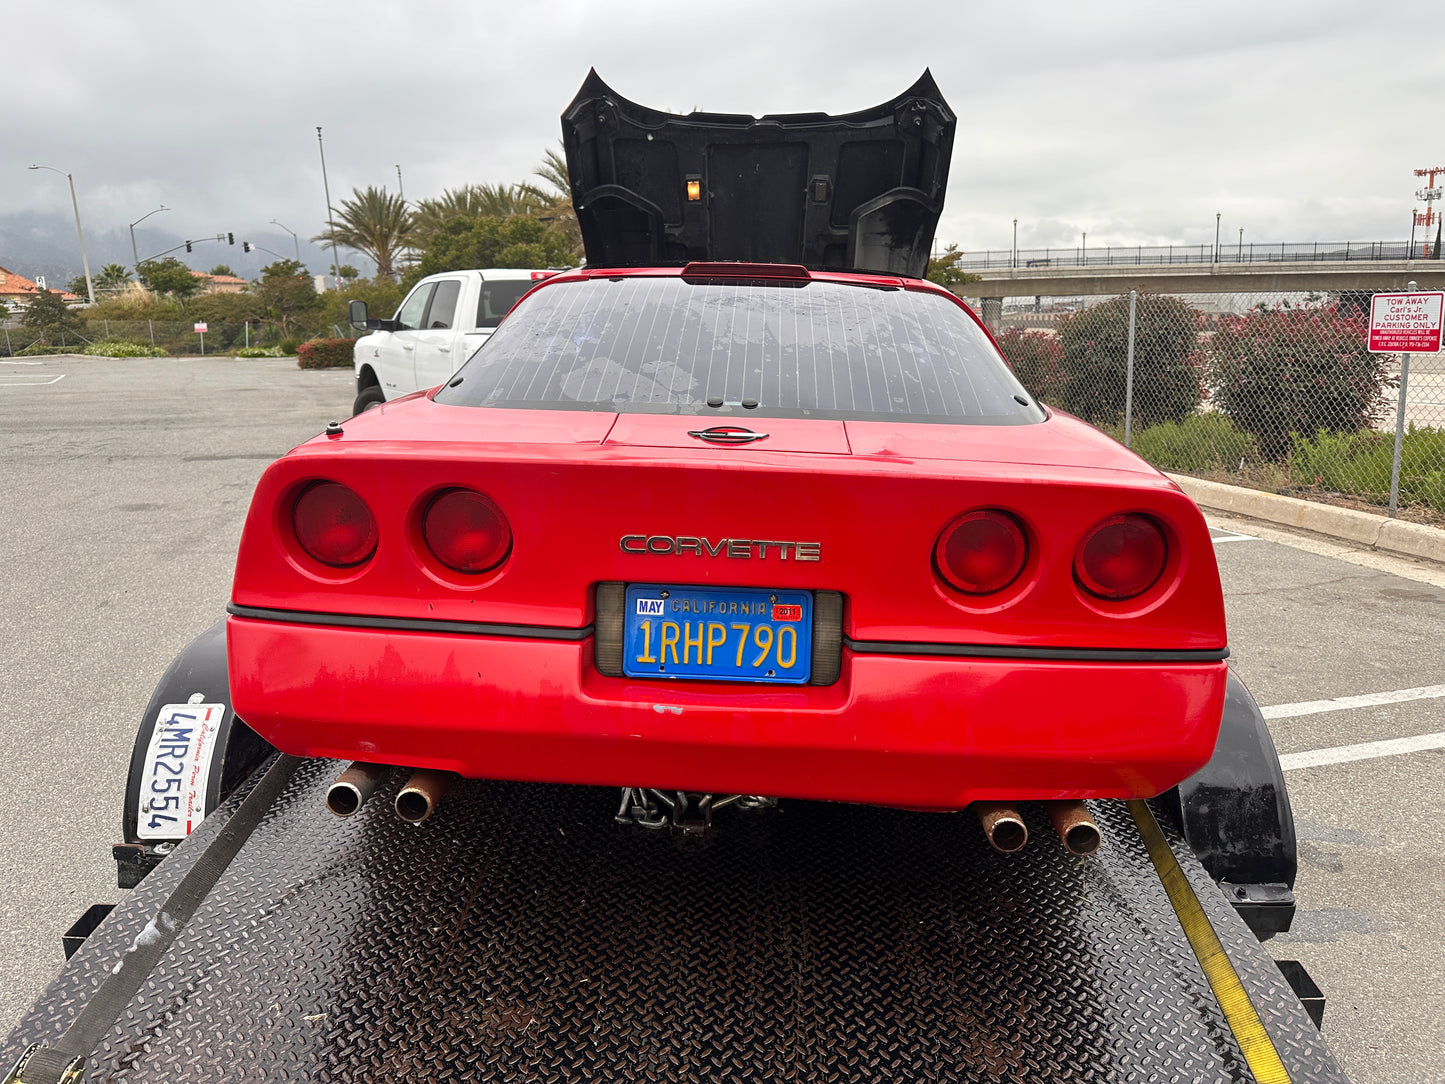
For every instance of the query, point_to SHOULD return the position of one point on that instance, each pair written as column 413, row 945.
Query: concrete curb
column 1366, row 528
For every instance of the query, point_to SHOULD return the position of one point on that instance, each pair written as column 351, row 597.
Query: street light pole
column 1015, row 261
column 330, row 221
column 133, row 254
column 84, row 259
column 292, row 232
column 1240, row 257
column 1217, row 216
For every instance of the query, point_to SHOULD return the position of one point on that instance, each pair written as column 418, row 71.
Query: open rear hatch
column 858, row 192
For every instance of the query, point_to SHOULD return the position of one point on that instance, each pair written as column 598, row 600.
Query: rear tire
column 370, row 396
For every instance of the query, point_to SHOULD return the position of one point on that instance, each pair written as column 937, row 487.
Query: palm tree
column 554, row 198
column 112, row 278
column 374, row 223
column 469, row 201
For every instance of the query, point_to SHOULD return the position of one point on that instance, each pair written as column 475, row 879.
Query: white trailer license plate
column 178, row 764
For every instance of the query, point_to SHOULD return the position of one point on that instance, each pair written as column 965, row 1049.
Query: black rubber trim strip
column 1060, row 654
column 409, row 624
column 50, row 1064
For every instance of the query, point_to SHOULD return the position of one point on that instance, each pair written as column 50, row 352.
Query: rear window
column 498, row 296
column 817, row 349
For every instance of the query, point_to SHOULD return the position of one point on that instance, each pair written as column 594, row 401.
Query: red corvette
column 747, row 506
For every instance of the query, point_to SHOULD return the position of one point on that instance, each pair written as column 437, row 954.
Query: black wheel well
column 367, row 378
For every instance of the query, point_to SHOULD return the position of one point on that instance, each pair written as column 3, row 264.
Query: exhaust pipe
column 422, row 794
column 353, row 787
column 1077, row 829
column 1002, row 825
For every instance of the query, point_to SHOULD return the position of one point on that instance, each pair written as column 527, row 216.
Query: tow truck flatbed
column 522, row 934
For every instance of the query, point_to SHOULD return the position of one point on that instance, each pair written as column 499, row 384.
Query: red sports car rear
column 740, row 529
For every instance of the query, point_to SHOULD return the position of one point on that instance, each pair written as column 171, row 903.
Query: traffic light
column 245, row 246
column 230, row 238
column 188, row 246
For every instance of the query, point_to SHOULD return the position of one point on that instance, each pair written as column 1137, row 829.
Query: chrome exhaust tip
column 1003, row 826
column 353, row 787
column 422, row 794
column 1077, row 829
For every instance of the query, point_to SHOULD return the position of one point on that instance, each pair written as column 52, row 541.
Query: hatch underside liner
column 522, row 934
column 858, row 192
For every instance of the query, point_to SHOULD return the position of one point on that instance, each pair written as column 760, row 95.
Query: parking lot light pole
column 84, row 259
column 133, row 255
column 330, row 219
column 294, row 240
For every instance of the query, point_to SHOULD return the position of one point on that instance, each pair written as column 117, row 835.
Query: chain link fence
column 1274, row 391
column 173, row 337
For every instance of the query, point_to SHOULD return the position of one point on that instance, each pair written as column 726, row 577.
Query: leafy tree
column 382, row 297
column 1036, row 358
column 1302, row 370
column 1168, row 364
column 78, row 287
column 169, row 276
column 112, row 277
column 4, row 310
column 48, row 317
column 517, row 241
column 944, row 270
column 347, row 272
column 221, row 269
column 374, row 223
column 288, row 293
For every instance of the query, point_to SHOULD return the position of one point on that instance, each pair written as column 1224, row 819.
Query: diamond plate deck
column 521, row 935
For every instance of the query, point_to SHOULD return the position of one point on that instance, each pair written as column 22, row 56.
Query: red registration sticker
column 783, row 612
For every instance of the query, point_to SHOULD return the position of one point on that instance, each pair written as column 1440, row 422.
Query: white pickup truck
column 439, row 325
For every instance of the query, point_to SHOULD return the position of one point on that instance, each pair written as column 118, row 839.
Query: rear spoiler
column 859, row 192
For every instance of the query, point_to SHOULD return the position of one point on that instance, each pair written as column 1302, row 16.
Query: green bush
column 1200, row 443
column 1359, row 464
column 325, row 354
column 1283, row 371
column 1168, row 365
column 1037, row 360
column 41, row 350
column 288, row 347
column 121, row 348
column 259, row 352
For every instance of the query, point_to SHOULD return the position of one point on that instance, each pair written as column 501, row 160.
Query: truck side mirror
column 356, row 314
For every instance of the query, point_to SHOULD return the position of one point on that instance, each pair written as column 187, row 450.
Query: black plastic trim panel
column 409, row 624
column 1001, row 651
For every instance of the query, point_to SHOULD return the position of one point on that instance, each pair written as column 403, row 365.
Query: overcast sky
column 1135, row 122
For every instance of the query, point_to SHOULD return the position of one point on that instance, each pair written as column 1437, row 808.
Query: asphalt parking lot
column 125, row 486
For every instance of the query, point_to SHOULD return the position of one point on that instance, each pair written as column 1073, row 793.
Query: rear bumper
column 916, row 731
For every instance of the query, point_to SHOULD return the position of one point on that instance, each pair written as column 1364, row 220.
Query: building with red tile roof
column 18, row 288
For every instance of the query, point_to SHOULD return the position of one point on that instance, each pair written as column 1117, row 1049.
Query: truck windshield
column 814, row 349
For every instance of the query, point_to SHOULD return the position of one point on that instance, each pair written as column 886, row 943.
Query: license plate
column 172, row 797
column 718, row 633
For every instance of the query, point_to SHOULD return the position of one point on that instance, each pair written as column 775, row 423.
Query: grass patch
column 1200, row 444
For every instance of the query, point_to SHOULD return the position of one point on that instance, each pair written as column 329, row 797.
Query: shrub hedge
column 1037, row 360
column 122, row 348
column 325, row 354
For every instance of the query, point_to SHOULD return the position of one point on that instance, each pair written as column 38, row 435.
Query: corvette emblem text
column 743, row 548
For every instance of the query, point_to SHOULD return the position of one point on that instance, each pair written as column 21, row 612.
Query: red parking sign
column 1406, row 323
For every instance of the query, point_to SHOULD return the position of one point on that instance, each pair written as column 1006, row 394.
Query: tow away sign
column 1406, row 323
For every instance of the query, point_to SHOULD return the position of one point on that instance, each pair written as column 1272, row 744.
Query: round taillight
column 333, row 525
column 1121, row 557
column 466, row 531
column 981, row 552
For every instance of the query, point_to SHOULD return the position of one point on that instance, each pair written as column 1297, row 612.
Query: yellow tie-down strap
column 1243, row 1018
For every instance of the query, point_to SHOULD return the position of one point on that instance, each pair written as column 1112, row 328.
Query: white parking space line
column 1344, row 703
column 5, row 382
column 1342, row 754
column 1219, row 538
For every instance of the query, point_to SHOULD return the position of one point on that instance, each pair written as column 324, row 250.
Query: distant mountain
column 44, row 245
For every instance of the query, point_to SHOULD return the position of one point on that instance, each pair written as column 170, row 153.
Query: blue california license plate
column 718, row 633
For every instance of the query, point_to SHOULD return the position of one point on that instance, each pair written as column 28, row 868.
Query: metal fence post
column 1129, row 374
column 1399, row 434
column 8, row 350
column 106, row 325
column 152, row 328
column 248, row 334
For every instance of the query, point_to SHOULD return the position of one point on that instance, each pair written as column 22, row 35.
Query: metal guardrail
column 1156, row 255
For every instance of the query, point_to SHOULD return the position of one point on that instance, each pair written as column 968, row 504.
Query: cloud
column 1135, row 122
